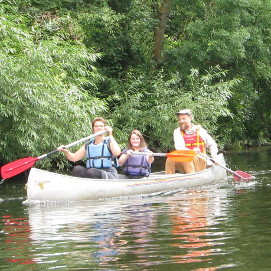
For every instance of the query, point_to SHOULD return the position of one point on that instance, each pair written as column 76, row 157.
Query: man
column 190, row 136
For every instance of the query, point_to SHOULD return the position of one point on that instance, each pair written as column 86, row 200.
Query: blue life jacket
column 137, row 165
column 100, row 155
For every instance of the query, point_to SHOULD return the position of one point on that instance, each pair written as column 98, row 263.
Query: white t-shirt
column 210, row 144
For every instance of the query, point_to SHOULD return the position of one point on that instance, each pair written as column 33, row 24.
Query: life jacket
column 194, row 140
column 137, row 166
column 100, row 155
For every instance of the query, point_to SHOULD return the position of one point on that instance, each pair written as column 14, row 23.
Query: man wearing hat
column 191, row 136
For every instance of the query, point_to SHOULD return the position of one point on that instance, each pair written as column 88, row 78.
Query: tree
column 233, row 35
column 163, row 12
column 137, row 62
column 45, row 97
column 150, row 104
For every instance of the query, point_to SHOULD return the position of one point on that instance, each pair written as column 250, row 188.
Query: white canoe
column 48, row 186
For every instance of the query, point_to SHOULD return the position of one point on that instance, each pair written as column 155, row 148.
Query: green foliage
column 150, row 104
column 44, row 100
column 124, row 38
column 103, row 28
column 236, row 36
column 65, row 61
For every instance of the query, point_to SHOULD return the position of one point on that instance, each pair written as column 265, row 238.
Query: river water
column 222, row 226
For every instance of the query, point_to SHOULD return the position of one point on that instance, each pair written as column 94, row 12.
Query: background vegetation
column 135, row 62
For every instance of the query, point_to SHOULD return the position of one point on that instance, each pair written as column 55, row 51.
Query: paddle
column 237, row 175
column 16, row 167
column 176, row 156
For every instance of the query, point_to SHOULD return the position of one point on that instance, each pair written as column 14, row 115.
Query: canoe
column 48, row 186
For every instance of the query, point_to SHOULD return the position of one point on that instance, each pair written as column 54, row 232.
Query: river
column 221, row 226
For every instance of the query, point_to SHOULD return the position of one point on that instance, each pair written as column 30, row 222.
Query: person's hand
column 109, row 130
column 60, row 148
column 129, row 153
column 197, row 150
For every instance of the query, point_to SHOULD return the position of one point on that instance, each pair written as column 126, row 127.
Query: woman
column 101, row 153
column 134, row 164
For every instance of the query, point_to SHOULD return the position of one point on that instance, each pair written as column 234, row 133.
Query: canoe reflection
column 143, row 232
column 190, row 226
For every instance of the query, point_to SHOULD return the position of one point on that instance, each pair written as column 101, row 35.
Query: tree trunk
column 159, row 32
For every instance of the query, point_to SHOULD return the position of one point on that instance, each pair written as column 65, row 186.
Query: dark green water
column 223, row 226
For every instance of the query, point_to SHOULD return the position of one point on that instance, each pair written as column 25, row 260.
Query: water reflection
column 140, row 231
column 184, row 228
column 18, row 245
column 190, row 228
column 208, row 228
column 107, row 229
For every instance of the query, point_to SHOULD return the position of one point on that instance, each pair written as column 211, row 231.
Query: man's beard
column 183, row 126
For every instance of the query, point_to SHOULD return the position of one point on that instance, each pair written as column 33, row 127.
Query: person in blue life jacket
column 133, row 164
column 193, row 137
column 101, row 153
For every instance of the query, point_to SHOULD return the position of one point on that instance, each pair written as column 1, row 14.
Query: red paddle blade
column 241, row 175
column 181, row 155
column 16, row 167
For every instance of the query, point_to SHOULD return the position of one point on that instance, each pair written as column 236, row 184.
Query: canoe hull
column 47, row 186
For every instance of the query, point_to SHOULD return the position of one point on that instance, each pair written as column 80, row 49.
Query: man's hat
column 184, row 111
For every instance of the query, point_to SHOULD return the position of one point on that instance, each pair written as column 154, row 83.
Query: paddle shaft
column 72, row 144
column 16, row 167
column 186, row 156
column 179, row 156
column 175, row 153
column 231, row 171
column 150, row 153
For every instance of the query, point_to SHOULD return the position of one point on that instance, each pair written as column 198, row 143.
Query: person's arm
column 76, row 156
column 114, row 146
column 209, row 142
column 150, row 158
column 212, row 146
column 124, row 156
column 178, row 140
